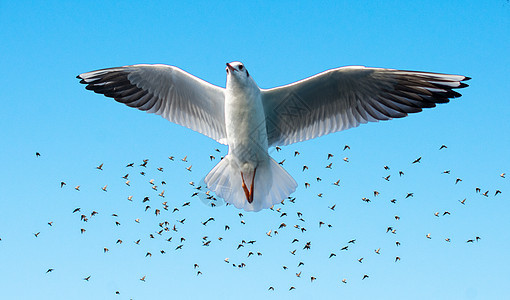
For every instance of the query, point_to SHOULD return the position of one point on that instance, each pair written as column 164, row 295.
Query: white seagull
column 250, row 120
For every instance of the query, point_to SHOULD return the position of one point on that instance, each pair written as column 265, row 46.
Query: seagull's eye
column 240, row 67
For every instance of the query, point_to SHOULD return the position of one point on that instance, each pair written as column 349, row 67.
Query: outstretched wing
column 167, row 91
column 343, row 98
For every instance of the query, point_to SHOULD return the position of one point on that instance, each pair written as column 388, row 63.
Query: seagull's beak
column 229, row 67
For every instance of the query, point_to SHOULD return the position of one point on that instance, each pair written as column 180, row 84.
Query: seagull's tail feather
column 272, row 184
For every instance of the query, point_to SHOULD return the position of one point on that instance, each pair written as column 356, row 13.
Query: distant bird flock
column 291, row 235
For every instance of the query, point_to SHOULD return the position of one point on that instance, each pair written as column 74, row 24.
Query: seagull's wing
column 167, row 91
column 343, row 98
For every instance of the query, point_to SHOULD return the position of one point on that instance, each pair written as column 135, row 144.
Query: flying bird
column 250, row 120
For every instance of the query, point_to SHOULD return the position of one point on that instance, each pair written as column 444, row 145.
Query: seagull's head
column 238, row 67
column 238, row 74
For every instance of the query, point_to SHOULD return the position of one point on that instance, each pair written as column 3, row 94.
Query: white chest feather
column 246, row 124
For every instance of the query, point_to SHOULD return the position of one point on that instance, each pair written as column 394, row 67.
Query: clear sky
column 45, row 44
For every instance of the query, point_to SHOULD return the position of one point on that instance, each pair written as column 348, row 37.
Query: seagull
column 250, row 120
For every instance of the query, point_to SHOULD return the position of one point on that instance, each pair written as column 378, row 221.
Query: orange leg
column 246, row 192
column 252, row 184
column 249, row 193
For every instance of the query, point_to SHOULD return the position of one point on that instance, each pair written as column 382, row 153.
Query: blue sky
column 44, row 45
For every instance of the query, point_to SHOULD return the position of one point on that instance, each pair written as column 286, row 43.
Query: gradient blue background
column 45, row 44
